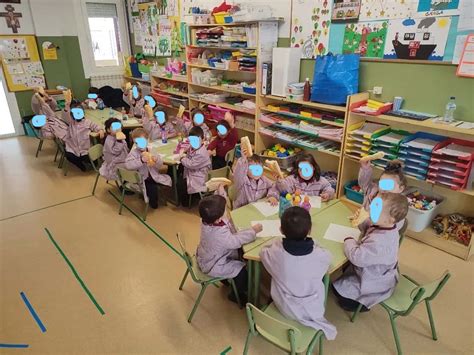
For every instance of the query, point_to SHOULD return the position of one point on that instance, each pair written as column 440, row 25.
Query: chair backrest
column 402, row 231
column 36, row 131
column 232, row 193
column 186, row 256
column 95, row 156
column 219, row 173
column 272, row 329
column 230, row 156
column 130, row 176
column 432, row 288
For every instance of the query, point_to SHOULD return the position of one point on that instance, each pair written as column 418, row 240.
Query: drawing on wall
column 149, row 45
column 310, row 26
column 164, row 46
column 387, row 9
column 14, row 49
column 345, row 10
column 134, row 6
column 365, row 38
column 421, row 39
column 438, row 7
column 172, row 8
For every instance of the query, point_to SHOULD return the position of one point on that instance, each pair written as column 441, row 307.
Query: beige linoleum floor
column 134, row 277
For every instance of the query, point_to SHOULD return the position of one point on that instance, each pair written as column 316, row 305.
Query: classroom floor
column 134, row 277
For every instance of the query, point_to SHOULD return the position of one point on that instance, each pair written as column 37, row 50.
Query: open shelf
column 173, row 78
column 309, row 134
column 316, row 105
column 132, row 78
column 309, row 119
column 219, row 69
column 171, row 92
column 223, row 89
column 223, row 48
column 226, row 105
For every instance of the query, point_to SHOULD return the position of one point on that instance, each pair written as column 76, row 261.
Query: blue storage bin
column 351, row 194
column 422, row 135
column 134, row 69
column 250, row 90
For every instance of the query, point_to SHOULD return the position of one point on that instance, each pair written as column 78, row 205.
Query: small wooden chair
column 131, row 181
column 96, row 160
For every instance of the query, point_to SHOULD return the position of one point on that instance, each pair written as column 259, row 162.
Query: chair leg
column 146, row 212
column 236, row 293
column 395, row 334
column 95, row 184
column 184, row 279
column 40, row 145
column 190, row 200
column 121, row 201
column 196, row 304
column 247, row 342
column 65, row 165
column 56, row 155
column 432, row 323
column 356, row 312
column 316, row 339
column 321, row 338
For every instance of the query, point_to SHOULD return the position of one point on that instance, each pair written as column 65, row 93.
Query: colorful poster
column 345, row 10
column 371, row 10
column 164, row 46
column 365, row 38
column 466, row 64
column 49, row 51
column 418, row 39
column 429, row 8
column 310, row 26
column 149, row 45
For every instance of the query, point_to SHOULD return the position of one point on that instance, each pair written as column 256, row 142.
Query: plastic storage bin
column 351, row 194
column 285, row 163
column 178, row 101
column 217, row 113
column 162, row 98
column 219, row 17
column 418, row 219
column 134, row 69
column 249, row 90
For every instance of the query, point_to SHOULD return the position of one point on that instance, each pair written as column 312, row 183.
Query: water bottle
column 111, row 112
column 306, row 90
column 164, row 136
column 450, row 108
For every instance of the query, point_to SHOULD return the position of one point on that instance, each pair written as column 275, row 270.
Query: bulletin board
column 21, row 62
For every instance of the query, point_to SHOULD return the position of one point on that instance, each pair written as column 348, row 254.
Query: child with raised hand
column 197, row 120
column 115, row 149
column 297, row 266
column 372, row 275
column 218, row 250
column 93, row 101
column 39, row 98
column 148, row 166
column 225, row 141
column 250, row 183
column 306, row 177
column 132, row 95
column 156, row 123
column 196, row 165
column 78, row 135
column 53, row 126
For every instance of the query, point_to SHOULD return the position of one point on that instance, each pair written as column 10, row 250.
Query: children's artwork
column 265, row 208
column 137, row 31
column 429, row 8
column 271, row 228
column 34, row 81
column 149, row 45
column 172, row 8
column 19, row 79
column 466, row 63
column 310, row 24
column 33, row 68
column 365, row 38
column 134, row 6
column 345, row 10
column 164, row 26
column 387, row 9
column 14, row 49
column 14, row 69
column 164, row 46
column 338, row 233
column 418, row 39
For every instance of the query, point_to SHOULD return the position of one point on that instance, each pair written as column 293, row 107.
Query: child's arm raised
column 240, row 172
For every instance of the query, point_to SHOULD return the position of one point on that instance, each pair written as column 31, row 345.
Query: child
column 373, row 275
column 156, row 123
column 250, row 183
column 54, row 126
column 184, row 125
column 217, row 253
column 307, row 178
column 115, row 149
column 93, row 101
column 297, row 267
column 196, row 165
column 134, row 98
column 147, row 165
column 78, row 135
column 39, row 97
column 226, row 140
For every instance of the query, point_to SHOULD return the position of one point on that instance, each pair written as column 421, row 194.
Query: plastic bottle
column 450, row 108
column 111, row 112
column 306, row 90
column 124, row 114
column 164, row 136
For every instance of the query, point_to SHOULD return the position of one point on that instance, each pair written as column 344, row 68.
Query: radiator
column 114, row 81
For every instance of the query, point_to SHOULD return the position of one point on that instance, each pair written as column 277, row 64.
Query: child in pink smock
column 132, row 95
column 55, row 127
column 115, row 149
column 158, row 123
column 297, row 266
column 184, row 124
column 39, row 98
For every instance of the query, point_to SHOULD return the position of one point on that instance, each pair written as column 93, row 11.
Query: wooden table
column 334, row 211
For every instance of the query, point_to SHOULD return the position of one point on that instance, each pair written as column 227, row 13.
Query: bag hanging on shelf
column 335, row 77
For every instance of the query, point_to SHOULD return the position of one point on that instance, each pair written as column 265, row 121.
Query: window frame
column 85, row 40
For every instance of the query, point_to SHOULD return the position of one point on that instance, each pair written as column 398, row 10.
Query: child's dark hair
column 196, row 110
column 225, row 124
column 310, row 159
column 197, row 131
column 160, row 108
column 75, row 103
column 255, row 159
column 296, row 223
column 212, row 208
column 109, row 122
column 94, row 90
column 397, row 204
column 395, row 168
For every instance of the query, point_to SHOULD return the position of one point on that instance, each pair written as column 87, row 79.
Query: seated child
column 306, row 177
column 297, row 266
column 196, row 165
column 115, row 149
column 185, row 126
column 132, row 95
column 250, row 183
column 147, row 165
column 78, row 135
column 217, row 253
column 372, row 275
column 225, row 141
column 39, row 97
column 157, row 123
column 93, row 101
column 54, row 127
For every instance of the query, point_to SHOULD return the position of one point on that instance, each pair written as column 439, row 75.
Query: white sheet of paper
column 458, row 47
column 315, row 201
column 265, row 208
column 271, row 228
column 338, row 233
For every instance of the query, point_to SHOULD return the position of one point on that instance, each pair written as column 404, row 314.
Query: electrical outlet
column 377, row 90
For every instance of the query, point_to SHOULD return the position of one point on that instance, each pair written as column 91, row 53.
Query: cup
column 397, row 103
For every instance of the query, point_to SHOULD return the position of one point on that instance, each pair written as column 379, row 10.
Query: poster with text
column 429, row 8
column 345, row 10
column 310, row 23
column 371, row 10
column 365, row 38
column 417, row 39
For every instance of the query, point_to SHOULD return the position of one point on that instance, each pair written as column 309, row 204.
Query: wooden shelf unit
column 454, row 201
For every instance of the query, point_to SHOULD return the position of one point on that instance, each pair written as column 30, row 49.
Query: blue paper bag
column 335, row 77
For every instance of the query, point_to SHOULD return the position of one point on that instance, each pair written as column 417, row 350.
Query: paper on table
column 265, row 208
column 271, row 228
column 338, row 233
column 315, row 201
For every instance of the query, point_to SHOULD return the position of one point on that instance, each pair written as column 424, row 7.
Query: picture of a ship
column 413, row 50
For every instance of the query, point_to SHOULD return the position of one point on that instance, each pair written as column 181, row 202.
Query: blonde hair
column 139, row 132
column 397, row 205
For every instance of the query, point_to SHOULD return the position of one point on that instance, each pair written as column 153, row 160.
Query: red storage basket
column 217, row 113
column 161, row 98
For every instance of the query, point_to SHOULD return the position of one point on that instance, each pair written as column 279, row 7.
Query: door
column 10, row 121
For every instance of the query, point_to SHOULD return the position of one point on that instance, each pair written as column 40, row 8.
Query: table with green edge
column 333, row 211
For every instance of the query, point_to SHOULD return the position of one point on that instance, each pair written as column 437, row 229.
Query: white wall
column 54, row 17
